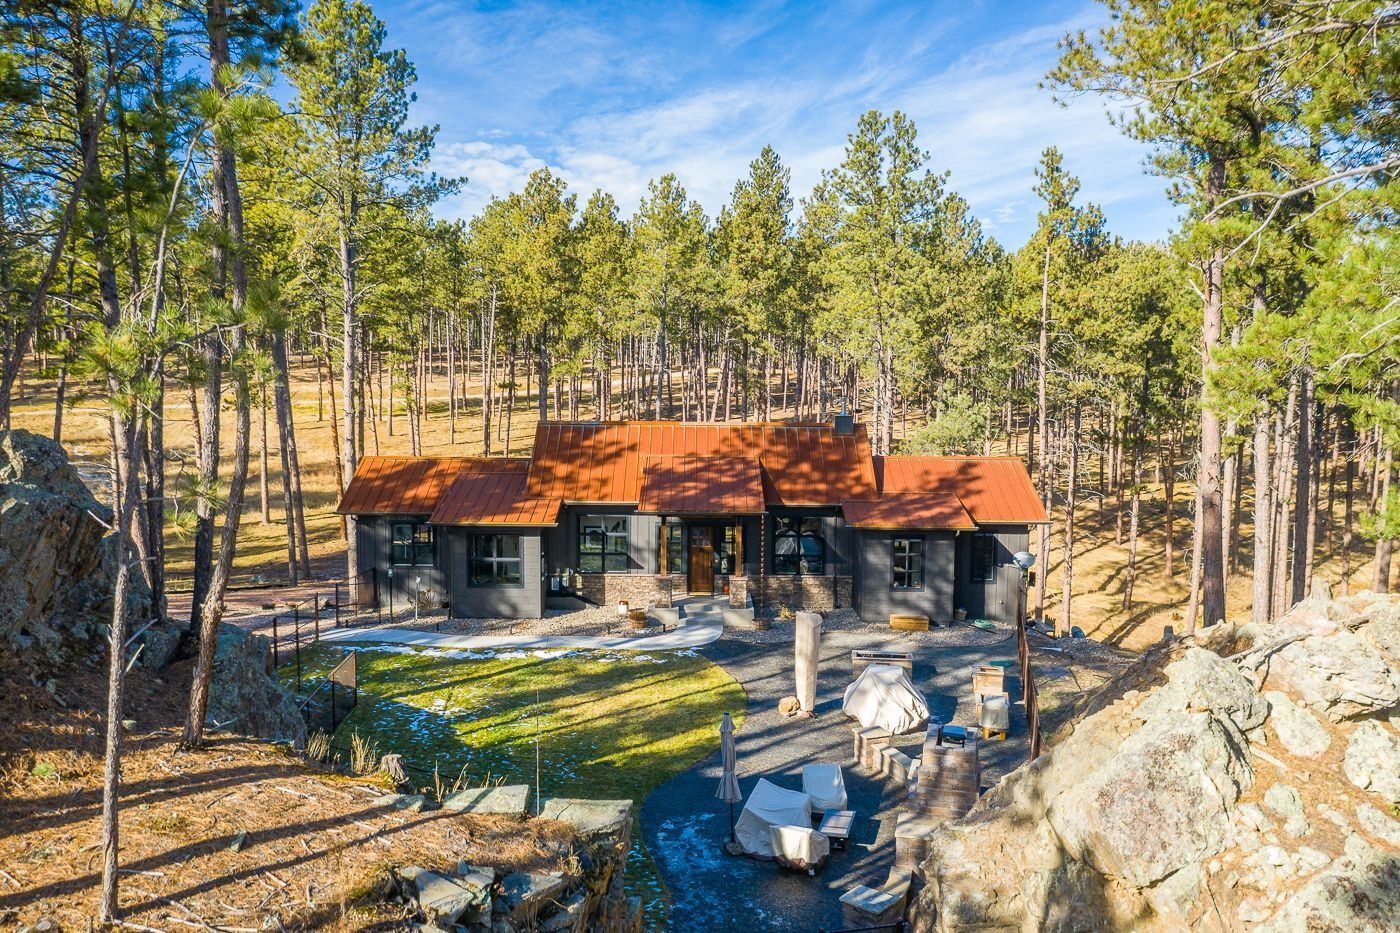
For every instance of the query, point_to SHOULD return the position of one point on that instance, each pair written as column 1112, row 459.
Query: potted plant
column 637, row 618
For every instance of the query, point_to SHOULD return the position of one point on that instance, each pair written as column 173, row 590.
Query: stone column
column 808, row 654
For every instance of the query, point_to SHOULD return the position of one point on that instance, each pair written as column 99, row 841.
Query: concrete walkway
column 684, row 636
column 700, row 624
column 685, row 827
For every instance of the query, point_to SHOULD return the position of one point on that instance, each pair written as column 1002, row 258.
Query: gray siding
column 374, row 535
column 643, row 538
column 995, row 600
column 495, row 602
column 876, row 597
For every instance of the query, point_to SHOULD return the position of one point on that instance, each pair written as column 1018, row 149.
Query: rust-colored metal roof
column 994, row 490
column 701, row 485
column 914, row 511
column 408, row 485
column 494, row 498
column 602, row 462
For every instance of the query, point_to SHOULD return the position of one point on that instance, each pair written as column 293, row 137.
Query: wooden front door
column 701, row 578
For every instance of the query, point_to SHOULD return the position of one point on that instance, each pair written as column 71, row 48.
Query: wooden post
column 665, row 567
column 739, row 547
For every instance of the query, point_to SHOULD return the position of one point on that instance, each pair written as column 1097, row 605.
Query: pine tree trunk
column 264, row 515
column 1302, row 489
column 1208, row 482
column 1260, row 612
column 1071, row 500
column 348, row 371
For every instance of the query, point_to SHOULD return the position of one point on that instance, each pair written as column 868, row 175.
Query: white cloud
column 981, row 115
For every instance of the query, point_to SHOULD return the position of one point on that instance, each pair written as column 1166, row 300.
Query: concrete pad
column 665, row 615
column 737, row 618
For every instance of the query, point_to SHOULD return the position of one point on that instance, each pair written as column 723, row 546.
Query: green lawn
column 609, row 724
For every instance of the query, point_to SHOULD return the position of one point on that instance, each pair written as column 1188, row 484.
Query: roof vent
column 843, row 424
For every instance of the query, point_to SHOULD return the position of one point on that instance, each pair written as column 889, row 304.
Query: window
column 495, row 560
column 908, row 565
column 414, row 544
column 602, row 545
column 798, row 546
column 675, row 549
column 725, row 559
column 984, row 558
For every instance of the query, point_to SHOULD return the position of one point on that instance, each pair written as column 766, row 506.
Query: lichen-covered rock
column 1297, row 730
column 1372, row 760
column 1287, row 805
column 1147, row 812
column 1162, row 802
column 1359, row 893
column 243, row 697
column 57, row 560
column 1341, row 675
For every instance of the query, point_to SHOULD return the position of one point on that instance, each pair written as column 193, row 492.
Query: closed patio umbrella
column 729, row 780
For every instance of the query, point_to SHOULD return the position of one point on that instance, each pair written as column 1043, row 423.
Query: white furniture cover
column 799, row 846
column 996, row 712
column 883, row 697
column 825, row 785
column 770, row 805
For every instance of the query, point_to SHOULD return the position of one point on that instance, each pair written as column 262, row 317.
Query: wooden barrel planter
column 637, row 618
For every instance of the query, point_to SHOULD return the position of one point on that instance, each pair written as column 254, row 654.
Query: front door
column 701, row 578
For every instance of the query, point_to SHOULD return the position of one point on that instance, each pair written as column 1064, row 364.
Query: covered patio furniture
column 825, row 785
column 770, row 805
column 884, row 697
column 799, row 847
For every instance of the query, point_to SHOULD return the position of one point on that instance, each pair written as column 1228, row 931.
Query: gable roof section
column 407, row 485
column 993, row 490
column 603, row 462
column 496, row 497
column 701, row 485
column 913, row 511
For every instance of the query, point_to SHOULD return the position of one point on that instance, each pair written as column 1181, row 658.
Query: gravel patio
column 685, row 827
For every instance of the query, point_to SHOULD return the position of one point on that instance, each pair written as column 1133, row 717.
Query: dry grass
column 1099, row 562
column 312, row 844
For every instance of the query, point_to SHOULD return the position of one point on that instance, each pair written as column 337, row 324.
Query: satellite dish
column 1024, row 559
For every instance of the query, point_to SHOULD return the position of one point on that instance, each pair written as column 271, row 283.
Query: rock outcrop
column 57, row 559
column 1197, row 790
column 244, row 697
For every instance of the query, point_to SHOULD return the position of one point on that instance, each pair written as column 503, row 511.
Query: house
column 790, row 514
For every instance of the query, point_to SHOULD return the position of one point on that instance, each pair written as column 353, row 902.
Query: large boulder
column 243, row 697
column 1199, row 791
column 57, row 560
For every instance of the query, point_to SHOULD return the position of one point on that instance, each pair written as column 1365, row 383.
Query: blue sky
column 613, row 94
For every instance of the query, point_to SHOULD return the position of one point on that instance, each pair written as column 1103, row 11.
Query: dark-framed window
column 798, row 546
column 495, row 561
column 984, row 558
column 907, row 564
column 726, row 561
column 602, row 545
column 413, row 544
column 676, row 549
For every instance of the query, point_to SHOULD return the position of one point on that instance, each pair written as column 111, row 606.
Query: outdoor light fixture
column 391, row 595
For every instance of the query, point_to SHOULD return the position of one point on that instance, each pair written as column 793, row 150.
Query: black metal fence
column 333, row 697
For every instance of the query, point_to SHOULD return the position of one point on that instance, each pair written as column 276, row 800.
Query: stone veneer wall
column 638, row 590
column 807, row 592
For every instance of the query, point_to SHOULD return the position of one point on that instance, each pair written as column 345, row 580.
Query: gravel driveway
column 685, row 826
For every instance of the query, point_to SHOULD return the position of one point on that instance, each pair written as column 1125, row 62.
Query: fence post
column 337, row 605
column 296, row 640
column 316, row 618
